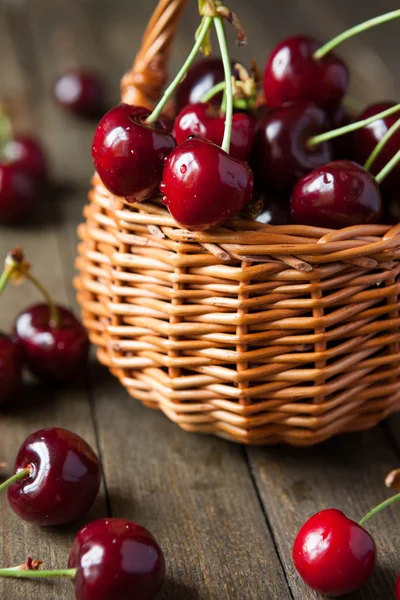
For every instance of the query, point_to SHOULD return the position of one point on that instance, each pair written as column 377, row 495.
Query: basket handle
column 142, row 85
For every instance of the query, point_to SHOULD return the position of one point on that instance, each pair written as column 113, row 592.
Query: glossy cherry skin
column 27, row 152
column 10, row 368
column 52, row 352
column 280, row 155
column 20, row 193
column 365, row 140
column 128, row 154
column 339, row 194
column 206, row 120
column 333, row 554
column 292, row 73
column 200, row 78
column 203, row 186
column 81, row 93
column 64, row 481
column 116, row 559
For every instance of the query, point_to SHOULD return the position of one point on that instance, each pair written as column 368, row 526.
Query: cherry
column 129, row 154
column 365, row 140
column 203, row 186
column 276, row 211
column 333, row 554
column 293, row 73
column 200, row 78
column 206, row 120
column 339, row 194
column 342, row 145
column 398, row 588
column 81, row 93
column 59, row 478
column 280, row 153
column 10, row 368
column 52, row 351
column 116, row 558
column 26, row 152
column 20, row 193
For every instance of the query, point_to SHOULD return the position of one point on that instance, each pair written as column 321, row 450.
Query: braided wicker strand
column 255, row 333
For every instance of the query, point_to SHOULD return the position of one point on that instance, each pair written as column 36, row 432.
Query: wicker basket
column 256, row 333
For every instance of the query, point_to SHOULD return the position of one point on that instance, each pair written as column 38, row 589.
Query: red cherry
column 207, row 121
column 280, row 155
column 27, row 153
column 276, row 211
column 365, row 140
column 333, row 554
column 200, row 78
column 64, row 479
column 10, row 368
column 116, row 559
column 398, row 588
column 52, row 352
column 20, row 193
column 128, row 154
column 339, row 194
column 203, row 186
column 81, row 93
column 343, row 144
column 292, row 73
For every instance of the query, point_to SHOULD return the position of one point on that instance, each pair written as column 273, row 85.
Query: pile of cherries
column 301, row 152
column 46, row 338
column 56, row 481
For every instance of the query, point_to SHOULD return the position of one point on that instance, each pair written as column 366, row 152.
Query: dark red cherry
column 128, row 154
column 63, row 482
column 116, row 559
column 81, row 93
column 292, row 73
column 200, row 78
column 276, row 210
column 365, row 140
column 339, row 194
column 207, row 121
column 398, row 588
column 10, row 368
column 333, row 554
column 28, row 153
column 343, row 144
column 52, row 352
column 280, row 155
column 20, row 193
column 203, row 186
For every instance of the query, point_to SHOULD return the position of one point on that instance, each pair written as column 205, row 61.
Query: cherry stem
column 329, row 135
column 54, row 312
column 219, row 87
column 15, row 572
column 203, row 31
column 393, row 162
column 381, row 144
column 5, row 276
column 23, row 474
column 339, row 39
column 380, row 507
column 219, row 27
column 6, row 131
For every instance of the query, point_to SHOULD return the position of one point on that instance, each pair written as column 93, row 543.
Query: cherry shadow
column 177, row 590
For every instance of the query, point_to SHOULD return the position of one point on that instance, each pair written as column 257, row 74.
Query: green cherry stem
column 5, row 276
column 219, row 87
column 381, row 144
column 23, row 474
column 6, row 131
column 393, row 162
column 54, row 312
column 219, row 27
column 28, row 574
column 330, row 135
column 380, row 507
column 339, row 39
column 203, row 31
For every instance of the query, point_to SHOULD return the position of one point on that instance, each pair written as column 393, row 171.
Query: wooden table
column 225, row 515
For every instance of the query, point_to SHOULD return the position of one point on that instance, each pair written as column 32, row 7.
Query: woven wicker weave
column 256, row 333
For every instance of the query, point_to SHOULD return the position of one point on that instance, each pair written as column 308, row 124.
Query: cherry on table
column 129, row 154
column 116, row 559
column 338, row 194
column 206, row 120
column 292, row 73
column 61, row 481
column 280, row 155
column 81, row 92
column 20, row 193
column 203, row 186
column 27, row 152
column 200, row 79
column 53, row 352
column 333, row 554
column 10, row 368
